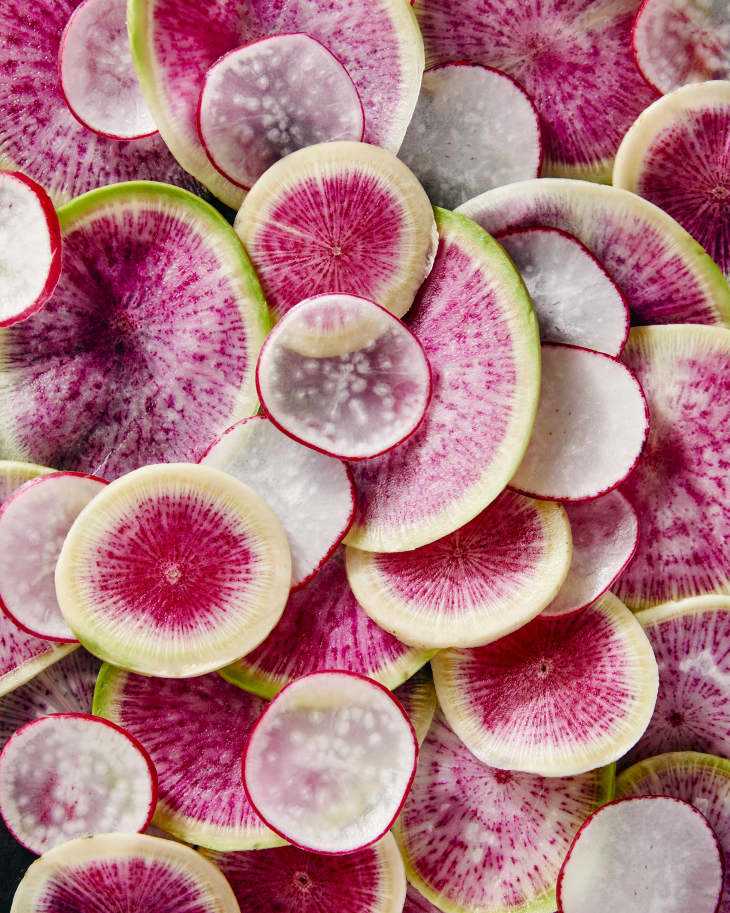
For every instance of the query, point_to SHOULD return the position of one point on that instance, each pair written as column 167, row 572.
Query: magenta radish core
column 264, row 101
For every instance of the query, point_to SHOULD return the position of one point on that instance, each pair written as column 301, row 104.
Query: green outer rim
column 666, row 761
column 30, row 470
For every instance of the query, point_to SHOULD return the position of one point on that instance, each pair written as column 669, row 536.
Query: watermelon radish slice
column 558, row 697
column 680, row 862
column 575, row 299
column 30, row 247
column 476, row 839
column 664, row 274
column 146, row 350
column 85, row 776
column 128, row 871
column 605, row 535
column 418, row 697
column 13, row 474
column 263, row 101
column 679, row 487
column 97, row 74
column 681, row 41
column 477, row 584
column 682, row 141
column 590, row 428
column 34, row 522
column 484, row 359
column 417, row 903
column 174, row 570
column 473, row 129
column 330, row 761
column 324, row 627
column 312, row 495
column 364, row 397
column 339, row 217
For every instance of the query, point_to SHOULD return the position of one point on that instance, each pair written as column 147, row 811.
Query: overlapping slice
column 418, row 697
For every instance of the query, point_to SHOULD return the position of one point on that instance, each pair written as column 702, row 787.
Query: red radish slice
column 98, row 79
column 418, row 697
column 681, row 41
column 339, row 217
column 473, row 129
column 605, row 535
column 366, row 395
column 34, row 522
column 72, row 775
column 664, row 274
column 558, row 697
column 30, row 247
column 265, row 100
column 483, row 581
column 575, row 299
column 590, row 428
column 650, row 854
column 330, row 761
column 484, row 359
column 312, row 495
column 174, row 570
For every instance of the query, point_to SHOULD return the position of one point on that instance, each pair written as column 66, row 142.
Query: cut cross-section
column 418, row 697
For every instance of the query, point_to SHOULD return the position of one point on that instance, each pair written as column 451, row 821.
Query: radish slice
column 483, row 581
column 174, row 570
column 605, row 534
column 590, row 427
column 558, row 697
column 473, row 129
column 418, row 697
column 270, row 98
column 85, row 776
column 417, row 903
column 98, row 79
column 575, row 299
column 312, row 495
column 30, row 247
column 366, row 395
column 329, row 763
column 679, row 868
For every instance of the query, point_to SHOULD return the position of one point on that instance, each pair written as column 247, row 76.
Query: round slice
column 473, row 129
column 85, row 776
column 312, row 494
column 174, row 570
column 329, row 763
column 664, row 274
column 265, row 100
column 418, row 697
column 130, row 871
column 556, row 698
column 681, row 864
column 481, row 582
column 605, row 535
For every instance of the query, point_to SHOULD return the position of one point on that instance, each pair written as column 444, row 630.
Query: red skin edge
column 18, row 491
column 220, row 60
column 634, row 49
column 341, row 456
column 634, row 799
column 93, row 719
column 395, row 700
column 54, row 232
column 604, row 491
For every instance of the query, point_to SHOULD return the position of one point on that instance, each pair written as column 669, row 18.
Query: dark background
column 14, row 860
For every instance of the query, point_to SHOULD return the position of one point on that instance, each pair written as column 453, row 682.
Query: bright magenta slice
column 648, row 854
column 72, row 775
column 330, row 761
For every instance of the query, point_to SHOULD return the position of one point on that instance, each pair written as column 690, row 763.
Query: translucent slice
column 354, row 403
column 330, row 761
column 575, row 299
column 418, row 697
column 680, row 862
column 479, row 840
column 664, row 274
column 312, row 494
column 473, row 129
column 556, row 698
column 174, row 570
column 590, row 428
column 269, row 98
column 481, row 582
column 484, row 359
column 605, row 534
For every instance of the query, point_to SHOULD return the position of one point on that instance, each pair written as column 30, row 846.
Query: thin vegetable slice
column 418, row 697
